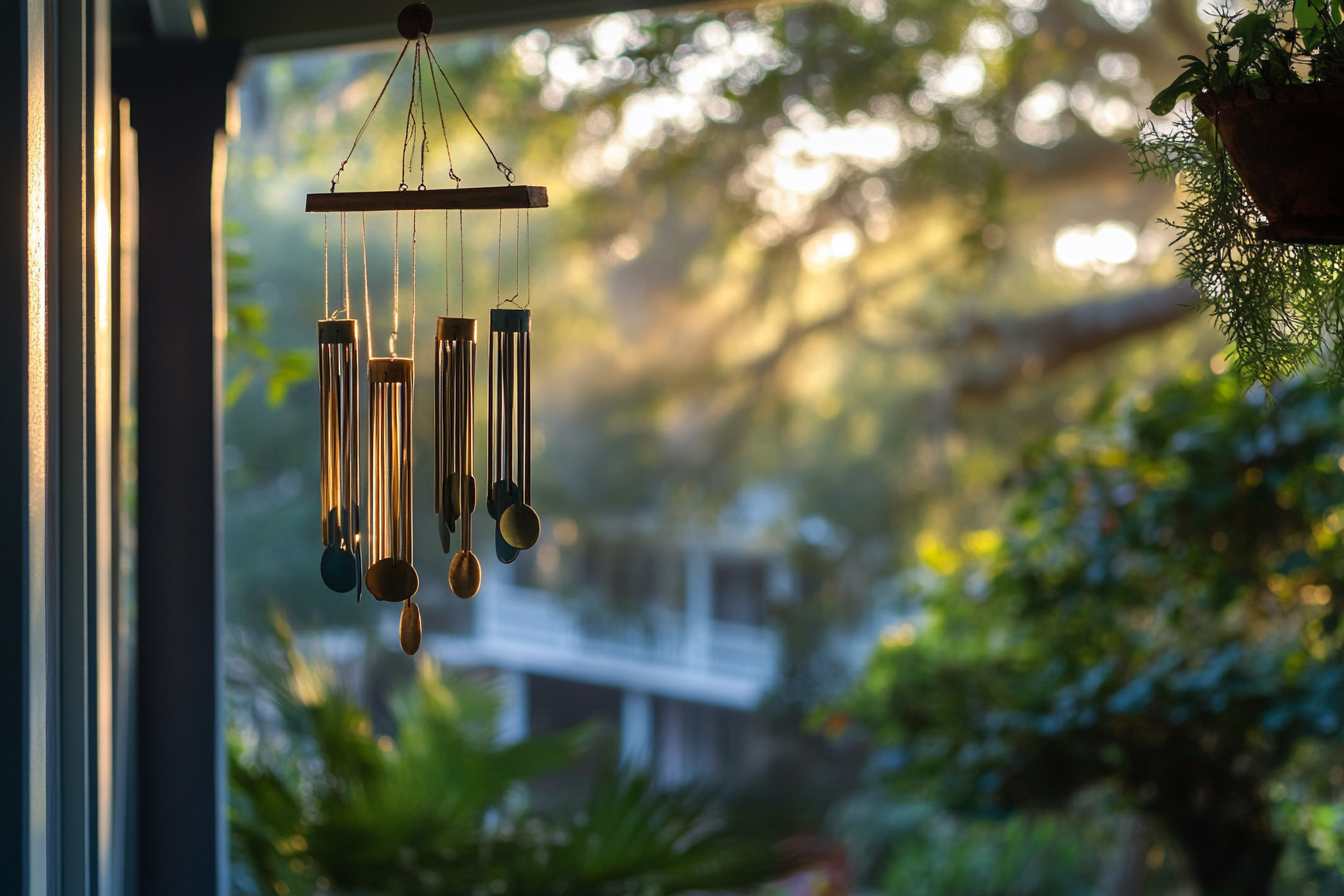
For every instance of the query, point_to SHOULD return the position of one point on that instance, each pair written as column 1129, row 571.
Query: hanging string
column 417, row 93
column 499, row 166
column 326, row 269
column 420, row 94
column 529, row 259
column 368, row 308
column 408, row 131
column 462, row 268
column 362, row 128
column 345, row 267
column 517, row 252
column 396, row 283
column 499, row 259
column 443, row 125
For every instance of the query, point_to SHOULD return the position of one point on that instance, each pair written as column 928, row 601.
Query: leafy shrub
column 443, row 809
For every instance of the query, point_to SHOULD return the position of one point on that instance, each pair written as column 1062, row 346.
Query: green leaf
column 1219, row 79
column 237, row 386
column 1309, row 23
column 1253, row 27
column 293, row 367
column 1185, row 84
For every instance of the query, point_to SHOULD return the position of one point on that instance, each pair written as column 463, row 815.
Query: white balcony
column 688, row 656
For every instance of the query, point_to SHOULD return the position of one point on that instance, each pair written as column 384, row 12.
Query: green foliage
column 1282, row 305
column 1021, row 856
column 910, row 847
column 249, row 353
column 444, row 810
column 1160, row 617
column 1257, row 50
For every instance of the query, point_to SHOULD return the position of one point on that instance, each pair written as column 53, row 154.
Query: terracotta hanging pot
column 1287, row 150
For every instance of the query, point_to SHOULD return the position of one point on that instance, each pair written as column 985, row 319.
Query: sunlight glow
column 833, row 246
column 1040, row 119
column 958, row 77
column 1101, row 248
column 1123, row 15
column 722, row 59
column 987, row 34
column 803, row 164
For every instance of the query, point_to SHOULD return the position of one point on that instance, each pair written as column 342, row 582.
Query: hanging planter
column 1262, row 189
column 1286, row 149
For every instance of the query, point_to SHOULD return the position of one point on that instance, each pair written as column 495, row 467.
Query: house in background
column 676, row 670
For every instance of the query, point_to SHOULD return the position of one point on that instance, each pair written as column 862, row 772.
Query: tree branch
column 1001, row 352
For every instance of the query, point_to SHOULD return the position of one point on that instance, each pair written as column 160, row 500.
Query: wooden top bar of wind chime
column 468, row 198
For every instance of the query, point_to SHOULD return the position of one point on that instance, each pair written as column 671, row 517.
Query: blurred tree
column 1162, row 615
column 812, row 197
column 442, row 809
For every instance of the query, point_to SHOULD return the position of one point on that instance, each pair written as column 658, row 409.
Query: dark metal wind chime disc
column 380, row 531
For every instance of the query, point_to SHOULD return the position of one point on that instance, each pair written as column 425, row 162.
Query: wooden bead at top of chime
column 454, row 446
column 338, row 393
column 381, row 532
column 509, row 437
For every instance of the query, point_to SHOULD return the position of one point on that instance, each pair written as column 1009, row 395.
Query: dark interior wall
column 178, row 96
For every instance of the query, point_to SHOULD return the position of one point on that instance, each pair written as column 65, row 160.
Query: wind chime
column 390, row 536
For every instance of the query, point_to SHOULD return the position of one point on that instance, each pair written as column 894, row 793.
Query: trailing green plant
column 443, row 809
column 1279, row 303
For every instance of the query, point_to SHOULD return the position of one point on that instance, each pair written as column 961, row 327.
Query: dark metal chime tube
column 391, row 575
column 454, row 446
column 509, row 459
column 338, row 393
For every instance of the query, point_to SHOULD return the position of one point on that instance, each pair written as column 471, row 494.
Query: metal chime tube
column 510, row 433
column 392, row 575
column 454, row 446
column 338, row 391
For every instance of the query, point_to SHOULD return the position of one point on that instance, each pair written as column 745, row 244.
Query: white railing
column 663, row 652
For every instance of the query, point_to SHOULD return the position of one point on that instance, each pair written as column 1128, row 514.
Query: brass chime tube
column 391, row 534
column 454, row 446
column 338, row 395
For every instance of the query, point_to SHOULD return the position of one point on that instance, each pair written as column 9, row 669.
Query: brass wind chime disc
column 509, row 500
column 454, row 446
column 338, row 392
